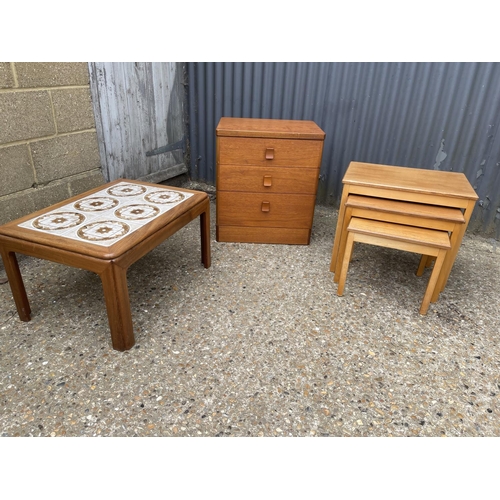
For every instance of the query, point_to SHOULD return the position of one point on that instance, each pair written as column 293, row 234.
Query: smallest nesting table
column 104, row 230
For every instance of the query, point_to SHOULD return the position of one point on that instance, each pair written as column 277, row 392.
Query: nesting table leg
column 114, row 283
column 338, row 231
column 456, row 239
column 422, row 265
column 342, row 244
column 431, row 286
column 345, row 263
column 16, row 285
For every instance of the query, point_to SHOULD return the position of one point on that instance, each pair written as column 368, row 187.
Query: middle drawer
column 265, row 210
column 267, row 179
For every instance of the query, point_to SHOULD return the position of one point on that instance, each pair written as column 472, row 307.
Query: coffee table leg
column 205, row 237
column 16, row 285
column 114, row 283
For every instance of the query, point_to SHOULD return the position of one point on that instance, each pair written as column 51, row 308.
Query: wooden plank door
column 139, row 111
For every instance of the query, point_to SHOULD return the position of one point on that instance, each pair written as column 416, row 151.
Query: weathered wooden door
column 139, row 111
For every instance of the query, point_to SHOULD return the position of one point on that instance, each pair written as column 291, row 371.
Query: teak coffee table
column 104, row 230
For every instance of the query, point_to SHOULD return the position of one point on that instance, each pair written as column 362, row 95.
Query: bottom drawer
column 265, row 210
column 270, row 235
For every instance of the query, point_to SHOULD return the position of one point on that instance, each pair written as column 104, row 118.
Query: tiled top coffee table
column 105, row 231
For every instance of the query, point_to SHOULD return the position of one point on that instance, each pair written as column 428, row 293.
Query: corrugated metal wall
column 426, row 115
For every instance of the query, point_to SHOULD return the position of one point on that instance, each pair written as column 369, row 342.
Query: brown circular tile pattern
column 103, row 230
column 164, row 197
column 58, row 221
column 137, row 212
column 97, row 204
column 126, row 190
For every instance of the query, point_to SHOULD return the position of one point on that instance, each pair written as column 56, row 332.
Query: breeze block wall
column 48, row 140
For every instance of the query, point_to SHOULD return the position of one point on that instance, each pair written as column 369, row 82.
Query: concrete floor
column 257, row 345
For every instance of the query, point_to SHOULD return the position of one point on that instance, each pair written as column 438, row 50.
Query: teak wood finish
column 401, row 212
column 267, row 179
column 110, row 263
column 408, row 238
column 428, row 187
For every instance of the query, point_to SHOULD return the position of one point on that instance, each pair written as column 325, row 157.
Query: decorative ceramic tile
column 109, row 215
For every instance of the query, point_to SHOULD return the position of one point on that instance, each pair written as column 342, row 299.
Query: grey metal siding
column 425, row 115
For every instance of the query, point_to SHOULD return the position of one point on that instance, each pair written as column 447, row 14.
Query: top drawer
column 269, row 152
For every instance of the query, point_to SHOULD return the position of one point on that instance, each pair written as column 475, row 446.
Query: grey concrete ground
column 257, row 345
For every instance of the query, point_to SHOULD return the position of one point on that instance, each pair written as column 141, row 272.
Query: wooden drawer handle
column 267, row 181
column 266, row 206
column 269, row 153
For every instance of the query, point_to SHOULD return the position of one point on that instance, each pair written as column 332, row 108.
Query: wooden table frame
column 110, row 263
column 398, row 212
column 432, row 187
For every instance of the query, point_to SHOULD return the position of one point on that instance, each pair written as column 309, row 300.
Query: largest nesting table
column 104, row 230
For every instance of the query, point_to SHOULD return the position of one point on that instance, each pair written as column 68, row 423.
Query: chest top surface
column 261, row 127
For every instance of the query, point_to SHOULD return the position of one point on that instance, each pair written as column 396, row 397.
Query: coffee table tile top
column 109, row 215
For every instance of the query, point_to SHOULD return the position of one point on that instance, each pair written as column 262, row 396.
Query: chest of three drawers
column 267, row 178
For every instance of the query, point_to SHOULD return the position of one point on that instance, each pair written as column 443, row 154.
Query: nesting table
column 104, row 230
column 431, row 187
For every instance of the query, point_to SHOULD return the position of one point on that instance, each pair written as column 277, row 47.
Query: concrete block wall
column 48, row 140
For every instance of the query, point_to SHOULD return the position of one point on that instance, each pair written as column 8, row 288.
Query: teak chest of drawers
column 267, row 178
